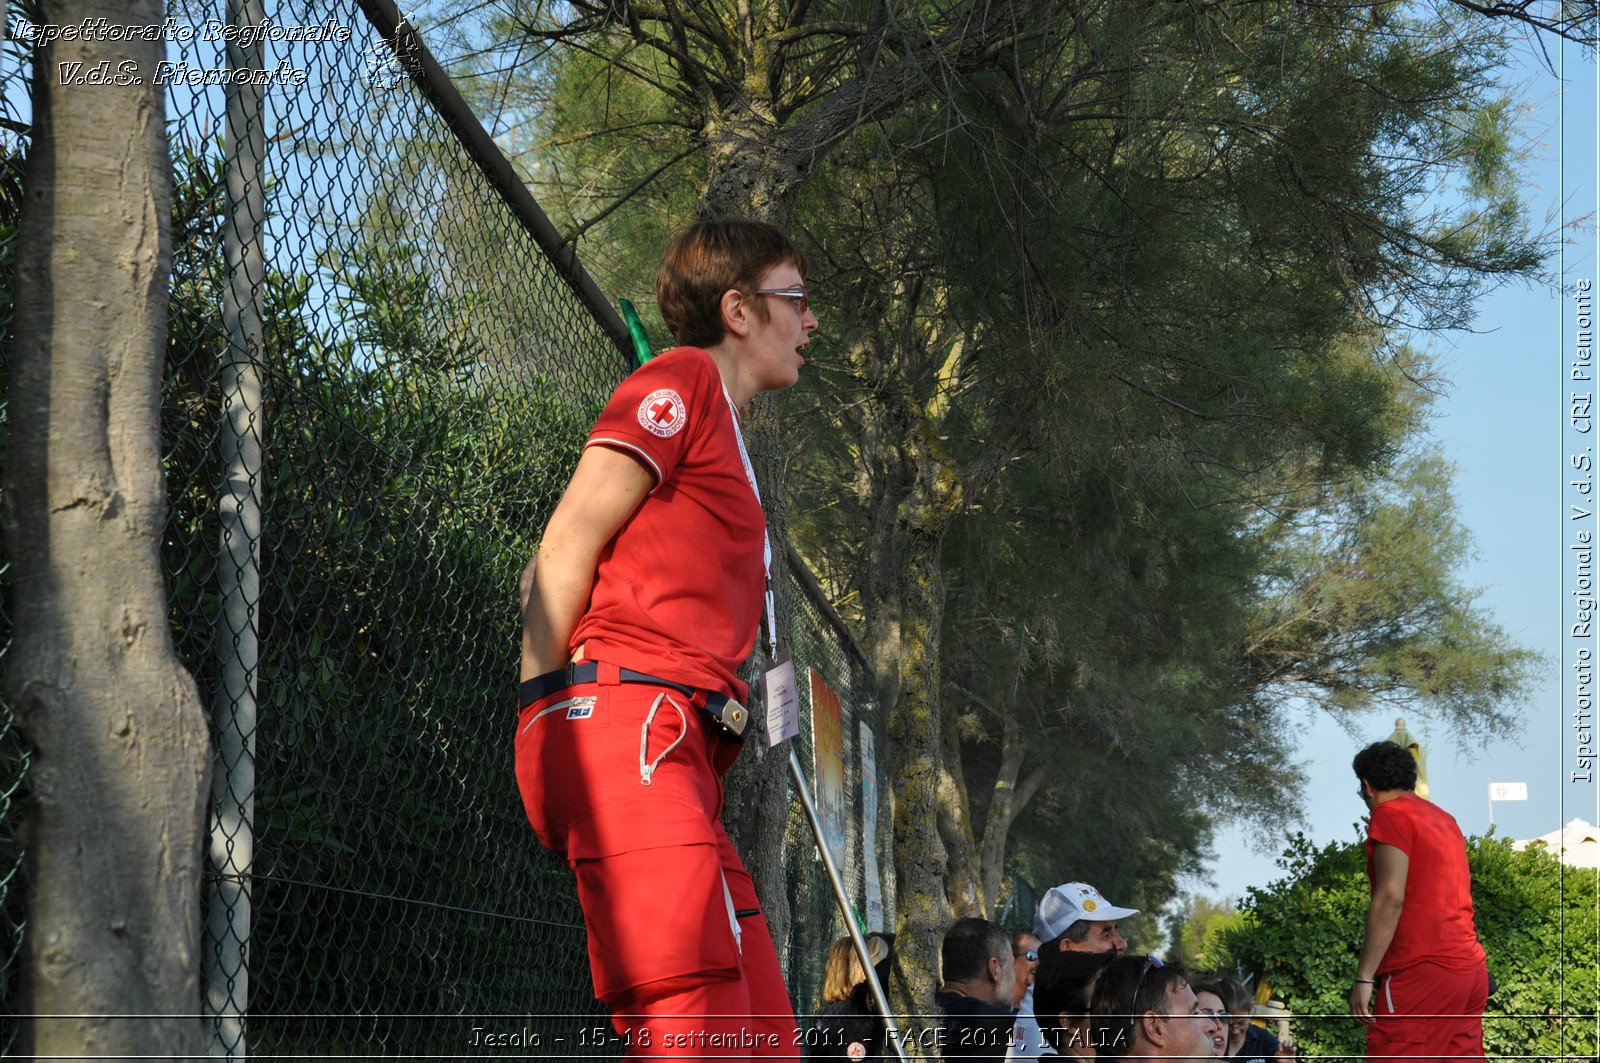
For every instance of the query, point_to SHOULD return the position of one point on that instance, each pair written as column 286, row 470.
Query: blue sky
column 1504, row 425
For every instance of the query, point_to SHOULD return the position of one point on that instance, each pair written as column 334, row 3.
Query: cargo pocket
column 1396, row 1035
column 655, row 914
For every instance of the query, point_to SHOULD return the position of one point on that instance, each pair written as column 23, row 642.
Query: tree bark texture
column 909, row 498
column 758, row 784
column 751, row 172
column 963, row 884
column 914, row 735
column 1006, row 801
column 120, row 747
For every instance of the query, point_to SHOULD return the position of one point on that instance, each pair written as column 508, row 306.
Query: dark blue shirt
column 975, row 1031
column 1259, row 1047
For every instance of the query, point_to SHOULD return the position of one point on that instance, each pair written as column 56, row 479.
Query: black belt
column 726, row 713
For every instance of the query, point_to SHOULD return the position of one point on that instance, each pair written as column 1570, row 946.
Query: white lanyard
column 766, row 540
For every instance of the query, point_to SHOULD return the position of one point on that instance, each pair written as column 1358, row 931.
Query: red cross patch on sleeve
column 663, row 413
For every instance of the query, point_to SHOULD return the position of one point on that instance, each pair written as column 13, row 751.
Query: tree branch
column 575, row 234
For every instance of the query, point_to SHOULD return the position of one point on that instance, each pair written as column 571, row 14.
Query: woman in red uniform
column 643, row 600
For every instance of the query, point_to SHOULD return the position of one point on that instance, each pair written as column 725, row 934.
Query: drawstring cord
column 648, row 768
column 733, row 917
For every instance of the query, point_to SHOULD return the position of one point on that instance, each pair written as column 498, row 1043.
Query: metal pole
column 441, row 92
column 233, row 785
column 891, row 1030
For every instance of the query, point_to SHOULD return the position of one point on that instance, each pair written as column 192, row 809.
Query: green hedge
column 1536, row 918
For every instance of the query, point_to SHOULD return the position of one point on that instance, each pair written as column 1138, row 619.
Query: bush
column 1536, row 918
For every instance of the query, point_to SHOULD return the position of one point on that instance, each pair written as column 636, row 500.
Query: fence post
column 241, row 438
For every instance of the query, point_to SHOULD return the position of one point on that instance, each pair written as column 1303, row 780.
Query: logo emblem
column 663, row 413
column 1089, row 905
column 857, row 1051
column 582, row 709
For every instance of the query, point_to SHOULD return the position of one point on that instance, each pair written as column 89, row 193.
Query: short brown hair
column 710, row 258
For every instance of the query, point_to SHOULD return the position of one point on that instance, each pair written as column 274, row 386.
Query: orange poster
column 827, row 744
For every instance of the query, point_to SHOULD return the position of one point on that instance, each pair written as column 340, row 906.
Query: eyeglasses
column 1031, row 955
column 1220, row 1016
column 797, row 294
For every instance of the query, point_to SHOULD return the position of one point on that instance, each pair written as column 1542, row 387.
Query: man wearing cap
column 1072, row 917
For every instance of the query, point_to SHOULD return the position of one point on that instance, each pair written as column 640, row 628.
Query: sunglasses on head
column 1149, row 962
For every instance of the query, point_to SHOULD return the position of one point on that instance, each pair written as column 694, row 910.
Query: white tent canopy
column 1576, row 845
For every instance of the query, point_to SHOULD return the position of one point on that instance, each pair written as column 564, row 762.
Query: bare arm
column 606, row 488
column 1390, row 867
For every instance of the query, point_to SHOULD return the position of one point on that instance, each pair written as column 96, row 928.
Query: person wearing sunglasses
column 1024, row 964
column 640, row 606
column 1245, row 1042
column 1072, row 917
column 1146, row 1009
column 1421, row 980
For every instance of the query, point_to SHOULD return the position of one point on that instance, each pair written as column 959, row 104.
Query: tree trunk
column 963, row 878
column 914, row 734
column 120, row 748
column 1005, row 805
column 753, row 173
column 757, row 786
column 750, row 172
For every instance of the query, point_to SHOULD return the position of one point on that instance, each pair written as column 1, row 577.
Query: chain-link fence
column 14, row 121
column 822, row 645
column 379, row 374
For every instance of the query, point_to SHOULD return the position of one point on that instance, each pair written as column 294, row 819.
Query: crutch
column 891, row 1031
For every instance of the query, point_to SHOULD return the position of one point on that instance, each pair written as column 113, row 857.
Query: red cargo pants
column 624, row 781
column 1426, row 1013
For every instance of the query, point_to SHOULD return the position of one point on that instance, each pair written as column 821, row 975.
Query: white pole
column 891, row 1032
column 241, row 435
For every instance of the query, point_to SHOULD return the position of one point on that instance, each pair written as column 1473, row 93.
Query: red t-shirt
column 1436, row 923
column 678, row 592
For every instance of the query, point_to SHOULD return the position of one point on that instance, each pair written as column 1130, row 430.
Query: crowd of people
column 1065, row 988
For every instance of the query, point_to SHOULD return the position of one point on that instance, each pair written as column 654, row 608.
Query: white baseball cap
column 1069, row 902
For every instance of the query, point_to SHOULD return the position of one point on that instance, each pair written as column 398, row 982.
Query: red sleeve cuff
column 616, row 442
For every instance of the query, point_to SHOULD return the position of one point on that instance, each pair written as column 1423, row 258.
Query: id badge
column 782, row 700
